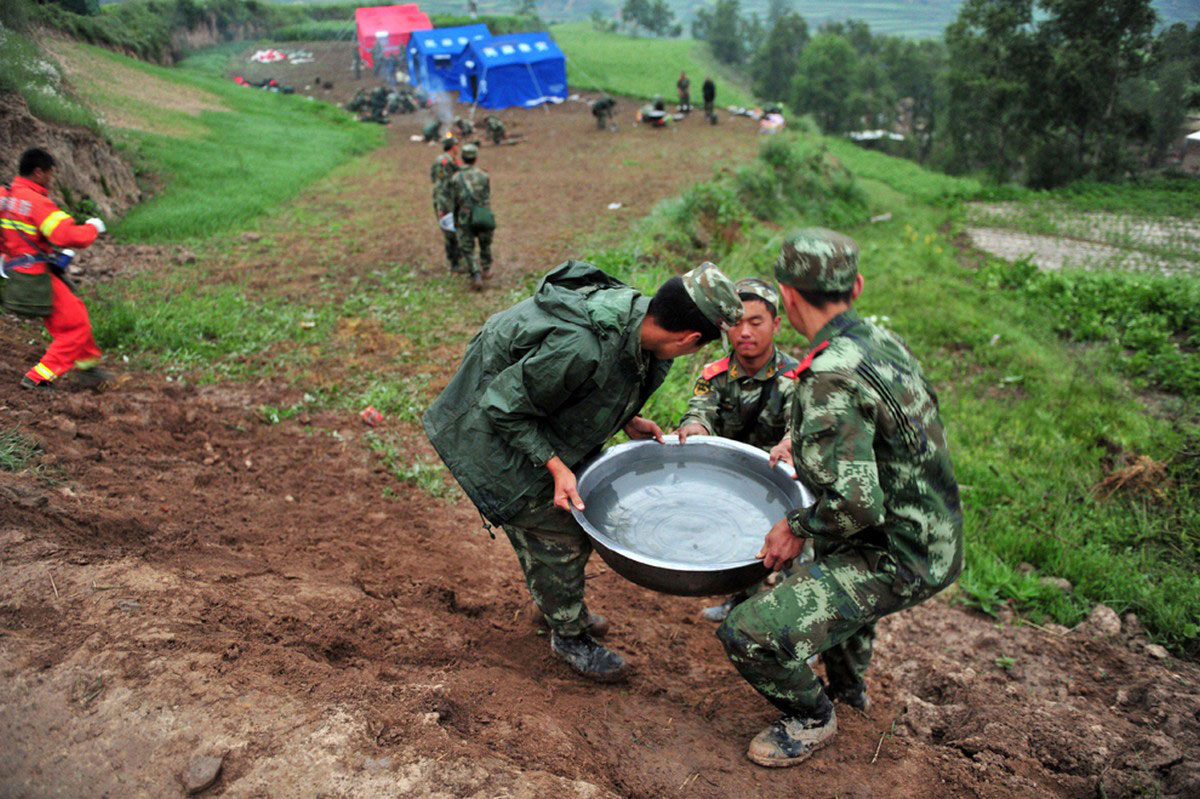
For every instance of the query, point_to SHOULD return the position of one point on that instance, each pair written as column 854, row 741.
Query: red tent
column 397, row 21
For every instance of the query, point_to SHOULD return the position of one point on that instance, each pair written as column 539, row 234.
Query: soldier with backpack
column 472, row 193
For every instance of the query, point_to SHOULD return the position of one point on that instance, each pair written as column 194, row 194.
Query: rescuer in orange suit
column 35, row 283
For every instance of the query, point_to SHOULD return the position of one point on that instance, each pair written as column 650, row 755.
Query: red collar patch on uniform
column 807, row 362
column 715, row 368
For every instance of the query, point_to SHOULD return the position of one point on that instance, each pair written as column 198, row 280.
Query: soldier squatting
column 545, row 383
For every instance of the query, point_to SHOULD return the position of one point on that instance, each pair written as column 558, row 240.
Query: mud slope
column 183, row 579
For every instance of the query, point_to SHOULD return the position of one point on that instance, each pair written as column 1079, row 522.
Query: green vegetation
column 642, row 68
column 17, row 450
column 243, row 162
column 26, row 70
column 396, row 455
column 1030, row 416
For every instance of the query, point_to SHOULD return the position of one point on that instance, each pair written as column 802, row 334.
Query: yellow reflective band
column 52, row 221
column 12, row 224
column 45, row 373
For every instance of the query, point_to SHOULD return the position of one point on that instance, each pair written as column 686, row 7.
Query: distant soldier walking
column 35, row 284
column 443, row 169
column 472, row 193
column 709, row 92
column 684, row 85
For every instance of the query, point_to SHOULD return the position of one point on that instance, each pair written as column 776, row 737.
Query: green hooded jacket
column 558, row 373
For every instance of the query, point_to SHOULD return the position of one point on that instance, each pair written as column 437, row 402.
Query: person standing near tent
column 685, row 96
column 472, row 192
column 443, row 169
column 709, row 92
column 602, row 110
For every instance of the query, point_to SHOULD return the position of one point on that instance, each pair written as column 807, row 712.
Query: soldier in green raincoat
column 540, row 389
column 868, row 441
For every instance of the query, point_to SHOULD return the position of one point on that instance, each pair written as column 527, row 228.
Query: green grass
column 28, row 71
column 17, row 450
column 640, row 67
column 1030, row 415
column 235, row 165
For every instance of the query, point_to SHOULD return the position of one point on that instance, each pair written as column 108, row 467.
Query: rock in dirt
column 1157, row 652
column 1061, row 583
column 202, row 773
column 1103, row 622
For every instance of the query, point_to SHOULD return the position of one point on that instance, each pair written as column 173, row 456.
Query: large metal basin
column 685, row 519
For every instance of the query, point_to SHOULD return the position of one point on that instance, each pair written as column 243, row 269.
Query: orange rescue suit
column 30, row 224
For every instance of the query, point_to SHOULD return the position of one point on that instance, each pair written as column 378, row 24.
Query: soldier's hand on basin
column 781, row 546
column 640, row 428
column 782, row 452
column 692, row 429
column 566, row 492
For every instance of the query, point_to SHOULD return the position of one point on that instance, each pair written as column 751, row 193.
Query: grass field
column 639, row 67
column 224, row 156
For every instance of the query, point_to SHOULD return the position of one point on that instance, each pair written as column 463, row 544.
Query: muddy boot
column 595, row 626
column 457, row 268
column 476, row 282
column 35, row 385
column 791, row 740
column 584, row 655
column 93, row 377
column 487, row 273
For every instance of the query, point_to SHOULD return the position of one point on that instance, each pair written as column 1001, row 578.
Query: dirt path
column 185, row 579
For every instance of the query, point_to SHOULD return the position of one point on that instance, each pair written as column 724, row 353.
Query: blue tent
column 520, row 70
column 431, row 55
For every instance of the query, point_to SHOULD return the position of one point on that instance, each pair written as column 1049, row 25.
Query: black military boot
column 33, row 385
column 854, row 695
column 793, row 739
column 584, row 655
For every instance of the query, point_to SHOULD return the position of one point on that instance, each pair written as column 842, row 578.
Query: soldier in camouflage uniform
column 443, row 169
column 868, row 441
column 540, row 389
column 745, row 396
column 495, row 128
column 431, row 131
column 470, row 188
column 464, row 125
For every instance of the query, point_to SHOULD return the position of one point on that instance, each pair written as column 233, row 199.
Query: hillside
column 215, row 558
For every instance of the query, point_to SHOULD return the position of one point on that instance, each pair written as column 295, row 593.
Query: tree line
column 1041, row 91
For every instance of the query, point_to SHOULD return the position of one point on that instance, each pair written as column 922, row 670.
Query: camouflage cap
column 759, row 288
column 714, row 295
column 470, row 151
column 818, row 259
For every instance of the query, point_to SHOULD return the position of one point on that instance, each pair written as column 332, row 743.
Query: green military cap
column 818, row 259
column 714, row 294
column 470, row 151
column 759, row 288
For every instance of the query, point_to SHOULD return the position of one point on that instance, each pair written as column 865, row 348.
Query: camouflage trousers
column 466, row 246
column 453, row 256
column 827, row 608
column 553, row 551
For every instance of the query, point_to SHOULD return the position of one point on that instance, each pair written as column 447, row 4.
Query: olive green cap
column 759, row 288
column 470, row 151
column 714, row 294
column 818, row 259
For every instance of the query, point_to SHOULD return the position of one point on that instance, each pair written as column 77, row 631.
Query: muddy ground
column 181, row 579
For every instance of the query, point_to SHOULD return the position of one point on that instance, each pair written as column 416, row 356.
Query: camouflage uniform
column 432, row 130
column 470, row 187
column 557, row 374
column 443, row 169
column 495, row 128
column 867, row 439
column 465, row 128
column 752, row 409
column 602, row 110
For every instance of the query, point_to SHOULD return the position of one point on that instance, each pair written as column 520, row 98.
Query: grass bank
column 222, row 154
column 639, row 67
